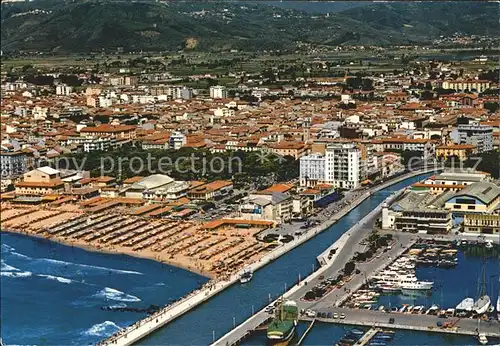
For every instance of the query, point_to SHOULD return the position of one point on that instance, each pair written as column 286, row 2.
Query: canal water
column 52, row 294
column 235, row 304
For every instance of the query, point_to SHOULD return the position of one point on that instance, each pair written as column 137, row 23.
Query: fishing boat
column 282, row 327
column 246, row 276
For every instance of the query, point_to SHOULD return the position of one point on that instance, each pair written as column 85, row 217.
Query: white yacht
column 416, row 285
column 482, row 305
column 465, row 305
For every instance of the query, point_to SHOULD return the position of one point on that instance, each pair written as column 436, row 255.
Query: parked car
column 335, row 315
column 391, row 320
column 342, row 316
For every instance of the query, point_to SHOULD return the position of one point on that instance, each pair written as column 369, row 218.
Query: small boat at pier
column 246, row 276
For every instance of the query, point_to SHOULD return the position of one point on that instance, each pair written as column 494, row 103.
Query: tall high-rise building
column 341, row 166
column 218, row 92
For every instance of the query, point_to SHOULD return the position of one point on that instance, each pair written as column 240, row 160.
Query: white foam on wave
column 16, row 274
column 7, row 268
column 103, row 329
column 113, row 294
column 57, row 278
column 119, row 271
column 7, row 248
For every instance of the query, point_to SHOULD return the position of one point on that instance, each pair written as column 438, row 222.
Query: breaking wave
column 119, row 271
column 10, row 250
column 7, row 268
column 103, row 329
column 113, row 294
column 57, row 278
column 16, row 274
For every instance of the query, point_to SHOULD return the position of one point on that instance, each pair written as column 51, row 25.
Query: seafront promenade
column 142, row 328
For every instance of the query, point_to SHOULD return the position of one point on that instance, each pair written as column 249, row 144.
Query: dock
column 311, row 325
column 418, row 322
column 367, row 337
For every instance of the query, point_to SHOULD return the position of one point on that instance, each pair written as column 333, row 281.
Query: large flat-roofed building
column 482, row 223
column 120, row 131
column 481, row 197
column 273, row 206
column 418, row 212
column 459, row 151
column 463, row 177
column 213, row 190
column 467, row 84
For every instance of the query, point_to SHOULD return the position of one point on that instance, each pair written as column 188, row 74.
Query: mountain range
column 94, row 25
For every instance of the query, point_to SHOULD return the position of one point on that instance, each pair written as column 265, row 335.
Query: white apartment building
column 341, row 166
column 218, row 92
column 177, row 140
column 63, row 89
column 476, row 134
column 12, row 164
column 312, row 169
column 99, row 144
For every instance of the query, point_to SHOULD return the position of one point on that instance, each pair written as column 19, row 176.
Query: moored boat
column 246, row 276
column 465, row 305
column 282, row 327
column 482, row 305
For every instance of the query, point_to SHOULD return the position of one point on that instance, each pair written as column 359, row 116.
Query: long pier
column 418, row 322
column 367, row 337
column 306, row 332
column 140, row 329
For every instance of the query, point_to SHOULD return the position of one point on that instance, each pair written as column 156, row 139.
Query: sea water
column 52, row 294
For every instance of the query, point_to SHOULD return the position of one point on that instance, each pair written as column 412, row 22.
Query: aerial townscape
column 250, row 173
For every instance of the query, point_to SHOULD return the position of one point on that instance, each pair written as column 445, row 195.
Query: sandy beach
column 184, row 244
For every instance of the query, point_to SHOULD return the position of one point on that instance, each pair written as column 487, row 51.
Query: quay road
column 216, row 311
column 428, row 323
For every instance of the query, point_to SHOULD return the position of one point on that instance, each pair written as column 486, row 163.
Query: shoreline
column 207, row 274
column 90, row 248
